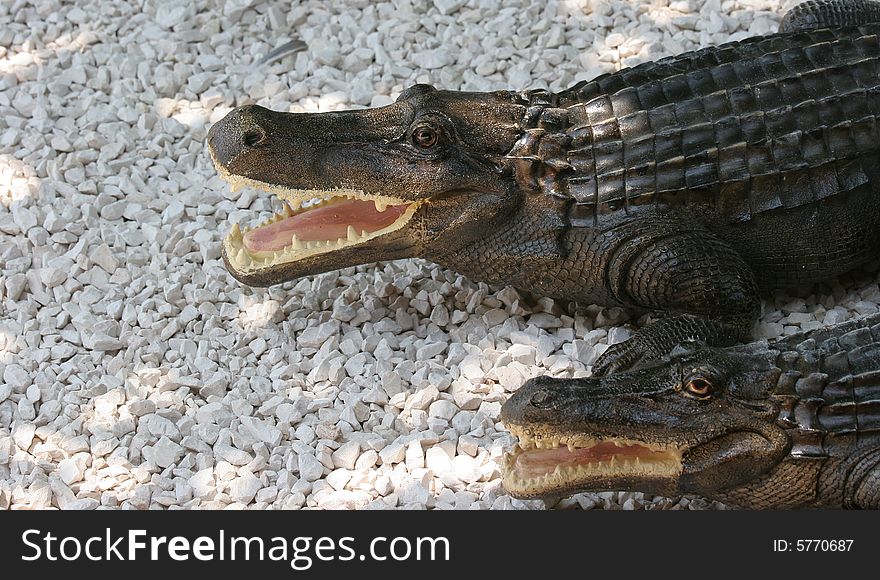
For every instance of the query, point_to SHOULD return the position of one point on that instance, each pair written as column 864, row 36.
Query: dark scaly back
column 814, row 14
column 745, row 127
column 829, row 391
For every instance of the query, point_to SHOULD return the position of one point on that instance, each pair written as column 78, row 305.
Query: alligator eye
column 698, row 387
column 425, row 137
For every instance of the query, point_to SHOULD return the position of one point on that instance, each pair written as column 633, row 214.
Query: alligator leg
column 868, row 494
column 862, row 480
column 815, row 14
column 705, row 288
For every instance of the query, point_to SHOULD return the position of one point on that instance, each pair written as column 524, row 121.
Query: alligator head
column 366, row 185
column 697, row 422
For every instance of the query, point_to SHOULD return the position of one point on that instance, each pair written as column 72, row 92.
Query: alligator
column 683, row 187
column 791, row 424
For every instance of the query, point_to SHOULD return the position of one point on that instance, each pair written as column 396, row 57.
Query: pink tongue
column 329, row 222
column 541, row 461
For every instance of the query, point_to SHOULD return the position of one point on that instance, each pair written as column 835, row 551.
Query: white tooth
column 295, row 243
column 242, row 257
column 287, row 211
column 236, row 232
column 276, row 256
column 381, row 205
column 364, row 233
column 351, row 234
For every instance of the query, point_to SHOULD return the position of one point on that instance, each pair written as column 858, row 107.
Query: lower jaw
column 653, row 472
column 557, row 487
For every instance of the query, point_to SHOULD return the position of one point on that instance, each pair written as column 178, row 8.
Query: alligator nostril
column 540, row 398
column 253, row 137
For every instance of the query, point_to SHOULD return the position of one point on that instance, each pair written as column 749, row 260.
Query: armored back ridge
column 748, row 127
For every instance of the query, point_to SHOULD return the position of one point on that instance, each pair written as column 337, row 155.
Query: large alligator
column 682, row 186
column 791, row 424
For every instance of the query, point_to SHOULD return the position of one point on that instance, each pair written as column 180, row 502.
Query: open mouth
column 543, row 465
column 311, row 222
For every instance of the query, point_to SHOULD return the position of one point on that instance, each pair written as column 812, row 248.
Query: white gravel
column 136, row 373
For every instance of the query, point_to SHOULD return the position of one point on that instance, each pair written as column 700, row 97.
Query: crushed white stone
column 138, row 374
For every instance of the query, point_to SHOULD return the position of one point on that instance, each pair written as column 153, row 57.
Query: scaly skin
column 792, row 424
column 682, row 186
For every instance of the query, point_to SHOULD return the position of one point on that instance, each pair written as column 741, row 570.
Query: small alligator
column 795, row 423
column 682, row 186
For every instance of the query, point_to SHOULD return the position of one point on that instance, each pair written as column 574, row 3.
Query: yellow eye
column 425, row 137
column 699, row 387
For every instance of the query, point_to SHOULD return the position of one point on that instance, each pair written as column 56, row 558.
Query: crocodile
column 790, row 424
column 684, row 187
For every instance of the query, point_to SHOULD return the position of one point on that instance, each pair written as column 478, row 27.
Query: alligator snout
column 243, row 129
column 535, row 392
column 543, row 398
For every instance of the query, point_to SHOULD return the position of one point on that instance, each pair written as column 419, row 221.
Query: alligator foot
column 658, row 339
column 623, row 356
